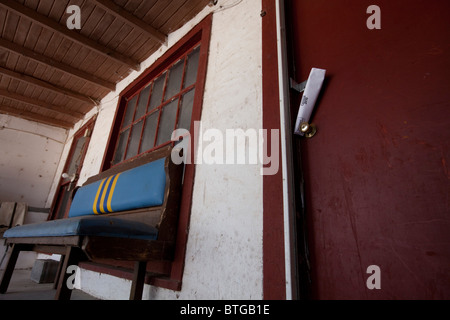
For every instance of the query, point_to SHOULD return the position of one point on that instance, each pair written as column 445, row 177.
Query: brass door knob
column 309, row 130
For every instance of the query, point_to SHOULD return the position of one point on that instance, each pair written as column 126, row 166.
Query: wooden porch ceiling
column 54, row 75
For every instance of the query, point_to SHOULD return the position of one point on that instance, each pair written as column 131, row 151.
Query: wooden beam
column 46, row 85
column 70, row 34
column 32, row 116
column 41, row 104
column 130, row 19
column 27, row 53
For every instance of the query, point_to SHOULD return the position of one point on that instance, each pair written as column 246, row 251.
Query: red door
column 376, row 173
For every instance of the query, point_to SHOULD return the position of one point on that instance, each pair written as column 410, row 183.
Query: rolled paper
column 312, row 90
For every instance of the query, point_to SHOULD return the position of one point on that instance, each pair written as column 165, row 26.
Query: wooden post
column 59, row 272
column 7, row 274
column 137, row 286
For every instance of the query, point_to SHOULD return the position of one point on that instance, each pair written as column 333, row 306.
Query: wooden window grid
column 179, row 82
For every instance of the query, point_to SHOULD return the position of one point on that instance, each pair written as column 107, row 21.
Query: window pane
column 120, row 151
column 142, row 104
column 76, row 158
column 148, row 138
column 191, row 68
column 167, row 122
column 184, row 119
column 135, row 138
column 130, row 112
column 157, row 92
column 174, row 82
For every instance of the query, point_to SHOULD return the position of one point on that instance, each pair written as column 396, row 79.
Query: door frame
column 56, row 203
column 276, row 281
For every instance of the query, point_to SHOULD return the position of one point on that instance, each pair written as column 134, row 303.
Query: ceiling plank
column 46, row 85
column 132, row 20
column 10, row 46
column 41, row 104
column 32, row 116
column 70, row 34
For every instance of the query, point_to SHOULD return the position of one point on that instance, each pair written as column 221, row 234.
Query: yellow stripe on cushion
column 102, row 200
column 94, row 207
column 111, row 193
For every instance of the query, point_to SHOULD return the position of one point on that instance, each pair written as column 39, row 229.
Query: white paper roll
column 312, row 90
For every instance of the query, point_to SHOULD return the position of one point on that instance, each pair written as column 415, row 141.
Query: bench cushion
column 85, row 226
column 136, row 188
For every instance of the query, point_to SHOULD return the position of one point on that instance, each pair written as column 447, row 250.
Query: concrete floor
column 22, row 287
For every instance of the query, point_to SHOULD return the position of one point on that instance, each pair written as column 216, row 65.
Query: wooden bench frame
column 74, row 249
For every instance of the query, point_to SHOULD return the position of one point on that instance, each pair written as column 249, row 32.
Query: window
column 165, row 97
column 158, row 108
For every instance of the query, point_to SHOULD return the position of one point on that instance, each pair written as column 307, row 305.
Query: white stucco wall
column 224, row 253
column 30, row 154
column 224, row 249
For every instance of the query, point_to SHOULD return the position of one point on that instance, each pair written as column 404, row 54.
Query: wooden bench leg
column 7, row 274
column 58, row 272
column 72, row 257
column 137, row 286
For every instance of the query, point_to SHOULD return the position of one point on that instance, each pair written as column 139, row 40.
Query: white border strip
column 284, row 104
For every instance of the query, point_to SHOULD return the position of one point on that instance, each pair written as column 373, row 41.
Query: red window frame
column 199, row 35
column 158, row 108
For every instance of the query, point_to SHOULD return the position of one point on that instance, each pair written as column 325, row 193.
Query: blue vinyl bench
column 129, row 212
